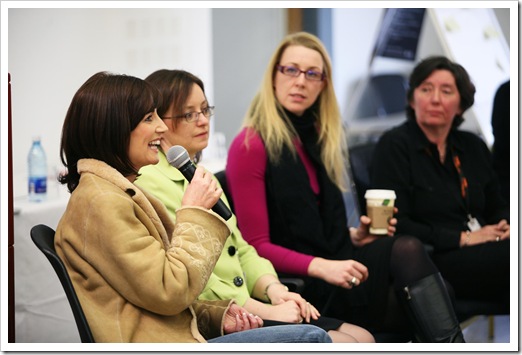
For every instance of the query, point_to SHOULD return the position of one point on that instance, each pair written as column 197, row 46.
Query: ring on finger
column 353, row 281
column 498, row 238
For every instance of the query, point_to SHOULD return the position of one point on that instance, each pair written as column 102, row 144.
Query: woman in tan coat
column 137, row 274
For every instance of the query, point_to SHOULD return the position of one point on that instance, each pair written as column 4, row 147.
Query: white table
column 42, row 312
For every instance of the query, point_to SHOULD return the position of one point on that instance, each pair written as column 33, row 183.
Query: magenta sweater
column 245, row 172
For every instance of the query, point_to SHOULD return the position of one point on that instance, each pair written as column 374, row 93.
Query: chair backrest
column 360, row 162
column 382, row 95
column 43, row 237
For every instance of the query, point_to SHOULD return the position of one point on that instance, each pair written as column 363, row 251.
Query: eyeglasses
column 295, row 72
column 194, row 116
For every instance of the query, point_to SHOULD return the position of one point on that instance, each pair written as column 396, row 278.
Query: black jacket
column 429, row 198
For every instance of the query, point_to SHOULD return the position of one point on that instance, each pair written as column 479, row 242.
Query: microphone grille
column 177, row 156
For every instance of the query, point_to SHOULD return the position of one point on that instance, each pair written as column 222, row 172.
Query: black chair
column 380, row 95
column 43, row 237
column 222, row 178
column 360, row 160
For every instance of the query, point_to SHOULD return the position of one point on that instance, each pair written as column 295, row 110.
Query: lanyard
column 463, row 182
column 462, row 177
column 472, row 222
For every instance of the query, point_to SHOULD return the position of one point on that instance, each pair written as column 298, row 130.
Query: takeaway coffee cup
column 379, row 206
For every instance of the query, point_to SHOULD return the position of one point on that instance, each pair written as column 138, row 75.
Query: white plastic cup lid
column 380, row 194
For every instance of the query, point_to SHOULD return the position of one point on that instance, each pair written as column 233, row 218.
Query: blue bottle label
column 38, row 185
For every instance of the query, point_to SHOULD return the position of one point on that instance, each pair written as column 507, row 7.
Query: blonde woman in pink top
column 286, row 173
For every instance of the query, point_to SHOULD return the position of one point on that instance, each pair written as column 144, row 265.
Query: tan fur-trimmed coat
column 136, row 273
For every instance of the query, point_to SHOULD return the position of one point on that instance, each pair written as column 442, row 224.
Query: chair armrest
column 294, row 284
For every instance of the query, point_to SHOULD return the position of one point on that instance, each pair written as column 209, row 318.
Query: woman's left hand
column 238, row 319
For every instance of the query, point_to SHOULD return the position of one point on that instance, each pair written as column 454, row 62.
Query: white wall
column 473, row 38
column 354, row 36
column 52, row 52
column 243, row 42
column 351, row 53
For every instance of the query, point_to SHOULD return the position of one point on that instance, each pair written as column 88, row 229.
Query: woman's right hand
column 288, row 311
column 202, row 191
column 237, row 319
column 291, row 312
column 338, row 272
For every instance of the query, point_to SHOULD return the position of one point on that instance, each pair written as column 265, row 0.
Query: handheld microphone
column 178, row 157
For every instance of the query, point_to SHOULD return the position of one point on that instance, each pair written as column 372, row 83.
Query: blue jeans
column 298, row 333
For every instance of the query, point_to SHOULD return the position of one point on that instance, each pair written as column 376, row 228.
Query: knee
column 409, row 244
column 359, row 334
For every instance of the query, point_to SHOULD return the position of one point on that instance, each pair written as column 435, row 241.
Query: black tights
column 418, row 264
column 409, row 263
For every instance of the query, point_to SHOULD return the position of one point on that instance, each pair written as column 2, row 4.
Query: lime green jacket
column 239, row 266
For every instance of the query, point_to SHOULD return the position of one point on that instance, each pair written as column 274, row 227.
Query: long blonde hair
column 266, row 117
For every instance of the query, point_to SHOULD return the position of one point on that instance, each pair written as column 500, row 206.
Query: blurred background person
column 448, row 194
column 286, row 171
column 501, row 129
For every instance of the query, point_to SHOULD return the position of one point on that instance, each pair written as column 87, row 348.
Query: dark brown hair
column 464, row 85
column 175, row 87
column 102, row 114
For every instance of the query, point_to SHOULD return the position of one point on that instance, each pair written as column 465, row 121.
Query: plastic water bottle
column 37, row 170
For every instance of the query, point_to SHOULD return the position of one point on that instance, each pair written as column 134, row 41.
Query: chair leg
column 466, row 323
column 491, row 327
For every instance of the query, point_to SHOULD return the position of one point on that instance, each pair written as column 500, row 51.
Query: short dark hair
column 102, row 114
column 175, row 87
column 464, row 85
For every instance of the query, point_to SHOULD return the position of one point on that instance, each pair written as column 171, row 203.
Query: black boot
column 431, row 311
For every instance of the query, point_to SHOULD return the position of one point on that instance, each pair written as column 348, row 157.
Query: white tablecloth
column 42, row 312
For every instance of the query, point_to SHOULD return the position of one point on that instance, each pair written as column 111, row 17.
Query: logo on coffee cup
column 379, row 206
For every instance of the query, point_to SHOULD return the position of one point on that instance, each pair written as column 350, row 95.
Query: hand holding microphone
column 178, row 157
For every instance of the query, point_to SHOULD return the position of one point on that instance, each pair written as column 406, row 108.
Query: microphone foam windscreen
column 177, row 156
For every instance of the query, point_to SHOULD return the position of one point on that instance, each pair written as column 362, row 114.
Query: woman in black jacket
column 447, row 192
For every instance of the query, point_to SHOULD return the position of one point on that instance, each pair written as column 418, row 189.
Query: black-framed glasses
column 295, row 72
column 194, row 116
